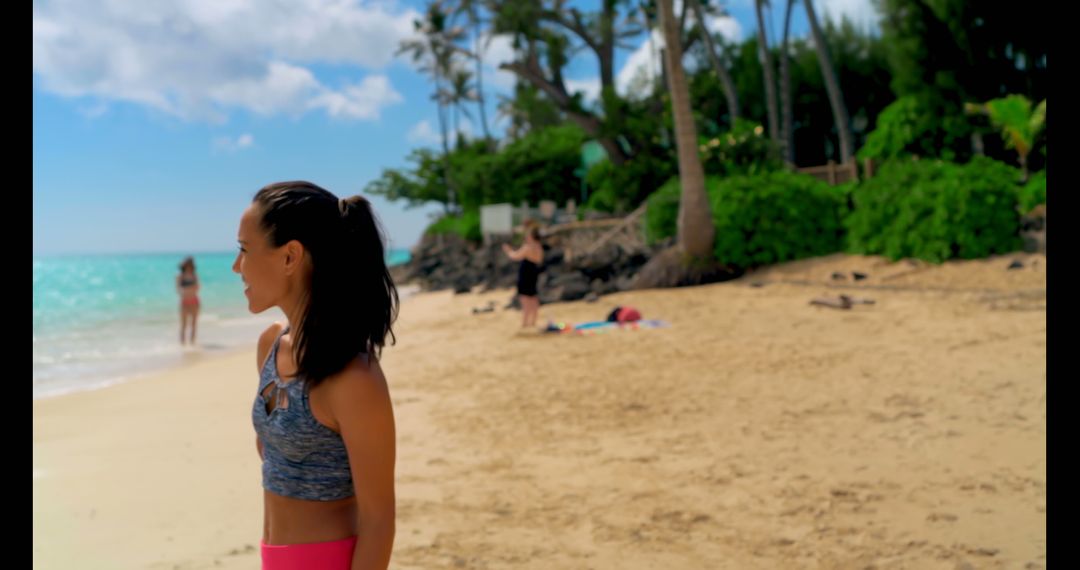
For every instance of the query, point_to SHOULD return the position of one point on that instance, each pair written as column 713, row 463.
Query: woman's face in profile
column 259, row 264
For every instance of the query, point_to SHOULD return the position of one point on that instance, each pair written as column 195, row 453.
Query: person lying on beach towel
column 624, row 315
column 597, row 327
column 620, row 318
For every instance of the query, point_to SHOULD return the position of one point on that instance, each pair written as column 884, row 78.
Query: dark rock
column 449, row 262
column 672, row 268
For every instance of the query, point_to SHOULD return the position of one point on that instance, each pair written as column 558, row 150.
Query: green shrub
column 662, row 211
column 622, row 188
column 745, row 149
column 1034, row 192
column 467, row 225
column 918, row 126
column 934, row 210
column 780, row 216
column 759, row 220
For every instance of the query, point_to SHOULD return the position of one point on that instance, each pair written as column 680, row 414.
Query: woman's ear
column 294, row 254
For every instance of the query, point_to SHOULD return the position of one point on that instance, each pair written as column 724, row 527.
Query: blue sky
column 155, row 124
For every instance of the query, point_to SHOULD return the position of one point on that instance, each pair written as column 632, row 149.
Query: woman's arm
column 515, row 254
column 362, row 409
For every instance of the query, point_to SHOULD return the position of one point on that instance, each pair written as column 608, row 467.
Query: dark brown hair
column 352, row 300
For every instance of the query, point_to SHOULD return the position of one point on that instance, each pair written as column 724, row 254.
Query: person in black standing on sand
column 531, row 255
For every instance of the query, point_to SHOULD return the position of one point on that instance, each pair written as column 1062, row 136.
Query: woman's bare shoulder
column 266, row 340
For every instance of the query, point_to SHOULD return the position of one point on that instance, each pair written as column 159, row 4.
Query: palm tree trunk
column 695, row 226
column 770, row 81
column 832, row 85
column 456, row 117
column 718, row 66
column 479, row 72
column 445, row 146
column 787, row 124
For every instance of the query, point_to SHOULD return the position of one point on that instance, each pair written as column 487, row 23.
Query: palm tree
column 459, row 93
column 718, row 66
column 1020, row 125
column 787, row 126
column 433, row 52
column 832, row 85
column 695, row 226
column 767, row 67
column 469, row 8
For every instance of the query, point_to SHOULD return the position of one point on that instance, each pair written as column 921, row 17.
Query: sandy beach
column 757, row 431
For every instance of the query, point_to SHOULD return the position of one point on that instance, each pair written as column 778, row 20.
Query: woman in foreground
column 322, row 413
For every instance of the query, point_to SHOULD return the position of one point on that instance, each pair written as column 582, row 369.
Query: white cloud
column 282, row 88
column 728, row 28
column 465, row 127
column 590, row 88
column 499, row 50
column 643, row 64
column 361, row 101
column 422, row 133
column 196, row 58
column 861, row 12
column 229, row 144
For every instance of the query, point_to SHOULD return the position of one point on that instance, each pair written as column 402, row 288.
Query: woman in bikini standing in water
column 322, row 413
column 187, row 286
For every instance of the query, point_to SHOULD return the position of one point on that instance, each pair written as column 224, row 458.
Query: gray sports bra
column 302, row 458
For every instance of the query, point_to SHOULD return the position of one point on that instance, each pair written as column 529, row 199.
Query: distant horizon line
column 180, row 254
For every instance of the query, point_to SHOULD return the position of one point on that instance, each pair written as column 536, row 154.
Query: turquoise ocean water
column 102, row 319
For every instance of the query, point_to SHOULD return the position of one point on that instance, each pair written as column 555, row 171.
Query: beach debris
column 858, row 275
column 489, row 308
column 837, row 276
column 840, row 302
column 757, row 283
column 1016, row 264
column 835, row 303
column 592, row 297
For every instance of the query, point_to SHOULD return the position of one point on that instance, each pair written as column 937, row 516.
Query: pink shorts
column 333, row 555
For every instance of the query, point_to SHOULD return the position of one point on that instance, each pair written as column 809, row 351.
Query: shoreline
column 188, row 356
